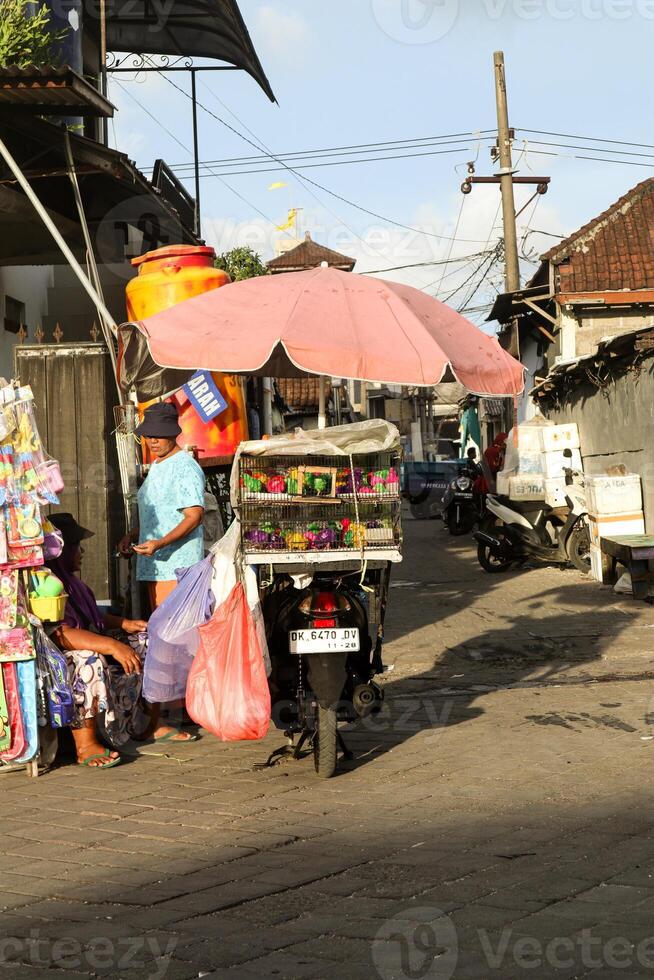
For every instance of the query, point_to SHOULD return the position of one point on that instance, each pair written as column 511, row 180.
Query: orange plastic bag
column 227, row 690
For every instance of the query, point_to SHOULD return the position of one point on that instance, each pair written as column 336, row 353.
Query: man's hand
column 126, row 658
column 147, row 548
column 135, row 625
column 125, row 544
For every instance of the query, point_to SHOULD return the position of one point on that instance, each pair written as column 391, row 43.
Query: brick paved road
column 495, row 823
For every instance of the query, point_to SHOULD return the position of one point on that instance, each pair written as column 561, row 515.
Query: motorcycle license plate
column 323, row 641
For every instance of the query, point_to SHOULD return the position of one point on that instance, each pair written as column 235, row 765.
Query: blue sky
column 360, row 71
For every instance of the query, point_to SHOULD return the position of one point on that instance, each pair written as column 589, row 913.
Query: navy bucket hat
column 160, row 421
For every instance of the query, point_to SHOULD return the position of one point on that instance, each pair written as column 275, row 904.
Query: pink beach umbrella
column 328, row 322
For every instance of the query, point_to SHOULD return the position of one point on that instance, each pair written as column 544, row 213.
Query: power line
column 593, row 149
column 326, row 163
column 586, row 139
column 261, row 145
column 355, row 148
column 315, row 183
column 417, row 265
column 179, row 143
column 579, row 156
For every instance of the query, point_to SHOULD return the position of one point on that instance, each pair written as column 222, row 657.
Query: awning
column 118, row 200
column 51, row 91
column 195, row 28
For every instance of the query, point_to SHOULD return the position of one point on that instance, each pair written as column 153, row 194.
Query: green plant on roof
column 241, row 262
column 25, row 35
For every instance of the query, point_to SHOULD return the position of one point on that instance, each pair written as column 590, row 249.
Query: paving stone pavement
column 495, row 822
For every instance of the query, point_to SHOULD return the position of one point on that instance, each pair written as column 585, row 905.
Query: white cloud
column 282, row 35
column 379, row 246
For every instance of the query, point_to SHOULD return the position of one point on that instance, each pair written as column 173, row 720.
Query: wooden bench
column 634, row 551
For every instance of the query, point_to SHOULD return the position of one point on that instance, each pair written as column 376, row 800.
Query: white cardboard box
column 528, row 487
column 502, row 481
column 559, row 437
column 614, row 494
column 554, row 463
column 610, row 525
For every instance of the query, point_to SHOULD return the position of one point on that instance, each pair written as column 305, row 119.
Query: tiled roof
column 614, row 250
column 309, row 255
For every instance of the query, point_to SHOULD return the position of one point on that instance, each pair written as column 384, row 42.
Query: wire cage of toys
column 319, row 504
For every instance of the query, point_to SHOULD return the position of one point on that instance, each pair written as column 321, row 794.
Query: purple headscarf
column 82, row 611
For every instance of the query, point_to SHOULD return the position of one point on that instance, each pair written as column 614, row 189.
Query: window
column 14, row 314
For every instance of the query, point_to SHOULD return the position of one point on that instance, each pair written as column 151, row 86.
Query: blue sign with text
column 204, row 395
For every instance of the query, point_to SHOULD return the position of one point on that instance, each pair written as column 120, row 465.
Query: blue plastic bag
column 173, row 635
column 53, row 669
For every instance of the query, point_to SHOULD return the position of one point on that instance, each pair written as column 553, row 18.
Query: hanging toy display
column 29, row 479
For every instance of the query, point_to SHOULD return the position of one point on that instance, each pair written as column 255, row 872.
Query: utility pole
column 512, row 264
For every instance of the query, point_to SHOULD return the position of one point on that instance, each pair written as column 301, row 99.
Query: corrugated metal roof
column 52, row 90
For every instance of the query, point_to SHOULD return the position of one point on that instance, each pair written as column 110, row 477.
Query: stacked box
column 614, row 494
column 610, row 525
column 535, row 462
column 527, row 487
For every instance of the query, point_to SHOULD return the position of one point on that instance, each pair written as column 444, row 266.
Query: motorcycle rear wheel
column 325, row 741
column 578, row 548
column 493, row 564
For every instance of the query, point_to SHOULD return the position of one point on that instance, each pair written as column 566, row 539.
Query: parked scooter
column 462, row 504
column 513, row 531
column 323, row 661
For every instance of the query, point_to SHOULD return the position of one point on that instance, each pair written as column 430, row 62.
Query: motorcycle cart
column 321, row 522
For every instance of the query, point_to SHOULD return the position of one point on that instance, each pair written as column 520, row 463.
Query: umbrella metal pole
column 267, row 406
column 322, row 416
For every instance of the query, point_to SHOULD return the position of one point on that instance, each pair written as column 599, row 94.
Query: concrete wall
column 28, row 284
column 595, row 326
column 616, row 425
column 532, row 361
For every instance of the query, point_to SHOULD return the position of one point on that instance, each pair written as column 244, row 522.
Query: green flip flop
column 101, row 755
column 170, row 736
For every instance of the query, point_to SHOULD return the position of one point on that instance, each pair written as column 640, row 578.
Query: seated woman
column 83, row 638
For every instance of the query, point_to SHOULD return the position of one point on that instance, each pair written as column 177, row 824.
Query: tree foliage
column 241, row 263
column 27, row 40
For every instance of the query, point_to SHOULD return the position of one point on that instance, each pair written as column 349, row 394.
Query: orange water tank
column 167, row 276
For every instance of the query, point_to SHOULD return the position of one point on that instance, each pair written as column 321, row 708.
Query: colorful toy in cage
column 378, row 478
column 276, row 484
column 251, row 484
column 345, row 483
column 257, row 536
column 295, row 541
column 314, row 484
column 321, row 537
column 292, row 480
column 354, row 536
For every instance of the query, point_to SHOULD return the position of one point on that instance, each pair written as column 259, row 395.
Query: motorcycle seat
column 524, row 506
